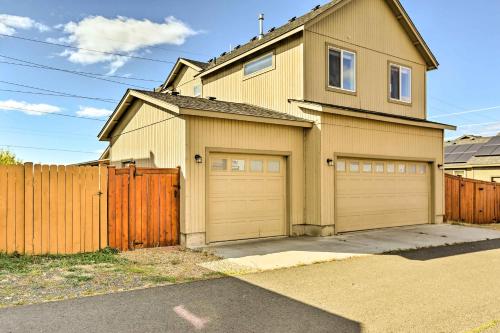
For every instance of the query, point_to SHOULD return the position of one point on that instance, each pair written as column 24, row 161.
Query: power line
column 79, row 72
column 106, row 100
column 50, row 113
column 40, row 66
column 89, row 50
column 49, row 149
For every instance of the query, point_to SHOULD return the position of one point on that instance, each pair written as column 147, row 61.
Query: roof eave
column 176, row 69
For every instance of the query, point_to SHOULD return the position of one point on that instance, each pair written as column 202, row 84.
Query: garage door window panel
column 367, row 167
column 354, row 167
column 422, row 169
column 273, row 166
column 412, row 169
column 391, row 168
column 256, row 166
column 379, row 168
column 401, row 168
column 340, row 166
column 219, row 164
column 238, row 165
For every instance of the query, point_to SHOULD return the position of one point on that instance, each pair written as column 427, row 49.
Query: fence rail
column 471, row 201
column 52, row 209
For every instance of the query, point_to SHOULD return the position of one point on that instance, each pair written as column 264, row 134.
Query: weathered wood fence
column 471, row 201
column 52, row 209
column 143, row 207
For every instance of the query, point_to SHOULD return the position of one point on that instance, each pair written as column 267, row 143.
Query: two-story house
column 314, row 128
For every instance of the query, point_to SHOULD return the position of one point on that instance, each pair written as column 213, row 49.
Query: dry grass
column 35, row 279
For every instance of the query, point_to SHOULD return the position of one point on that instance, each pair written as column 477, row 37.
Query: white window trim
column 400, row 100
column 342, row 51
column 262, row 71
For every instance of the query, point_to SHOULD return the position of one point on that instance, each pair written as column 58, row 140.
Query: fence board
column 68, row 225
column 11, row 210
column 37, row 209
column 3, row 208
column 61, row 211
column 103, row 207
column 53, row 234
column 45, row 195
column 28, row 208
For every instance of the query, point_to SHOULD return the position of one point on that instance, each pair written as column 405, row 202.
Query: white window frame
column 342, row 51
column 263, row 70
column 400, row 100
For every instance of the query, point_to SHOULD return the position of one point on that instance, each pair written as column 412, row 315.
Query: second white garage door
column 374, row 194
column 246, row 197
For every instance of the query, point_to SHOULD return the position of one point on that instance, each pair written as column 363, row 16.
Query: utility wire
column 89, row 50
column 40, row 66
column 106, row 100
column 79, row 72
column 50, row 149
column 50, row 113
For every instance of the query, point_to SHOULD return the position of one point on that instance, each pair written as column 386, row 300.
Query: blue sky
column 462, row 36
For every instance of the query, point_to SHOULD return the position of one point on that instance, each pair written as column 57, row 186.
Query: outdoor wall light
column 440, row 167
column 330, row 162
column 198, row 158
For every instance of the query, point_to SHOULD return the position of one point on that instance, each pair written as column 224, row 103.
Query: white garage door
column 246, row 197
column 374, row 194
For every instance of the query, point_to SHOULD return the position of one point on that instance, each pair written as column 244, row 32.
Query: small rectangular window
column 238, row 165
column 354, row 167
column 379, row 167
column 401, row 168
column 197, row 90
column 412, row 169
column 273, row 166
column 258, row 65
column 391, row 168
column 256, row 166
column 219, row 164
column 400, row 83
column 367, row 167
column 422, row 169
column 341, row 166
column 341, row 69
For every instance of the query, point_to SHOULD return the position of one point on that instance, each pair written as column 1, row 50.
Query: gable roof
column 181, row 62
column 473, row 150
column 198, row 106
column 296, row 25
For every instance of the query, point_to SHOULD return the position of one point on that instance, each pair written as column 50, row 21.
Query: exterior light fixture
column 330, row 162
column 198, row 158
column 440, row 167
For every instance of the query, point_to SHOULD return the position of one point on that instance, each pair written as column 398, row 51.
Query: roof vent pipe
column 261, row 26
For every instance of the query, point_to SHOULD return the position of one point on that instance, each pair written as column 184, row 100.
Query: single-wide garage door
column 374, row 194
column 246, row 197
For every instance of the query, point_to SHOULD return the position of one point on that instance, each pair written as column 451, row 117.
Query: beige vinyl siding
column 239, row 136
column 344, row 136
column 157, row 146
column 369, row 28
column 271, row 89
column 185, row 81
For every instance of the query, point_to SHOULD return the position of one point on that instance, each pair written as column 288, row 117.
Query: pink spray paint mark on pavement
column 194, row 320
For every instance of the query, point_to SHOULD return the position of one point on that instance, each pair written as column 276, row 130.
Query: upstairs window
column 341, row 69
column 400, row 83
column 259, row 65
column 197, row 90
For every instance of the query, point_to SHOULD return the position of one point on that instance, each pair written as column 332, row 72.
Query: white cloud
column 93, row 112
column 28, row 108
column 9, row 24
column 119, row 35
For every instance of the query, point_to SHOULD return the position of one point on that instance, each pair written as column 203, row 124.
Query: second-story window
column 259, row 65
column 341, row 69
column 400, row 83
column 197, row 90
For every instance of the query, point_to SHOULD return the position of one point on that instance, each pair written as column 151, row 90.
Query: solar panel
column 486, row 150
column 450, row 149
column 462, row 148
column 494, row 141
column 464, row 157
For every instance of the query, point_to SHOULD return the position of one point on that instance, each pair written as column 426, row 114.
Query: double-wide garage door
column 374, row 194
column 246, row 197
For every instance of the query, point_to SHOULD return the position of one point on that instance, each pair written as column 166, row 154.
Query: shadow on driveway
column 448, row 251
column 220, row 305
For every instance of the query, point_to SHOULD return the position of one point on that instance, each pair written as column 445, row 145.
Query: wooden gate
column 143, row 207
column 471, row 201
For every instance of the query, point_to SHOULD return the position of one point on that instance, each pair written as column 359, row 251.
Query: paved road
column 451, row 289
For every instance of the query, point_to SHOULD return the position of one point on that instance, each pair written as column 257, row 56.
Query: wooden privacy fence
column 143, row 207
column 471, row 201
column 52, row 209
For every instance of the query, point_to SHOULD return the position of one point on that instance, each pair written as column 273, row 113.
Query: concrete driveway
column 263, row 255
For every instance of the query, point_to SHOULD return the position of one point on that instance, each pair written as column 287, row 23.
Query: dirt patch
column 35, row 279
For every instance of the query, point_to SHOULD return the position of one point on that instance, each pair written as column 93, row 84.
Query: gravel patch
column 35, row 281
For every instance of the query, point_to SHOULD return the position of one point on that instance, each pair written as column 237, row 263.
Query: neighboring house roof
column 181, row 62
column 197, row 106
column 471, row 150
column 294, row 24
